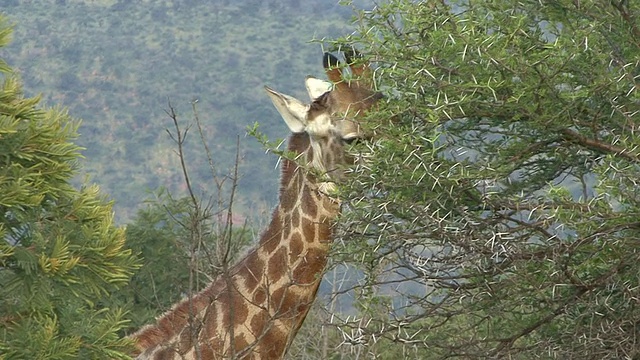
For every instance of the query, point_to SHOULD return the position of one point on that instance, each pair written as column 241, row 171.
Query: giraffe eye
column 351, row 140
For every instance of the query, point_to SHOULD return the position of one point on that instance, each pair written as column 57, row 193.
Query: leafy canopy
column 496, row 214
column 60, row 253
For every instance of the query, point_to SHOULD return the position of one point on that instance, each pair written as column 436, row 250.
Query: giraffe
column 255, row 310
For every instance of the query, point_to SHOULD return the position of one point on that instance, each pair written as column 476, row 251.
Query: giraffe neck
column 256, row 309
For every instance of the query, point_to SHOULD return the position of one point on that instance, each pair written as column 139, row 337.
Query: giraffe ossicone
column 255, row 310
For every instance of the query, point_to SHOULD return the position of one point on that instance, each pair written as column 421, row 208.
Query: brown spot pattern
column 240, row 342
column 325, row 233
column 308, row 230
column 241, row 312
column 295, row 219
column 207, row 352
column 277, row 265
column 165, row 354
column 185, row 340
column 309, row 206
column 273, row 343
column 310, row 269
column 277, row 300
column 271, row 238
column 234, row 309
column 296, row 246
column 259, row 296
column 252, row 271
column 258, row 323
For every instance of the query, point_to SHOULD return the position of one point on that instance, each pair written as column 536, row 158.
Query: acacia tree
column 61, row 254
column 497, row 213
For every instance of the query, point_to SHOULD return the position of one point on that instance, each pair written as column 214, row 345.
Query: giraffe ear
column 332, row 67
column 292, row 110
column 316, row 87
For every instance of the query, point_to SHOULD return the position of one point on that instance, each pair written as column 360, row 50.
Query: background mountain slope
column 117, row 64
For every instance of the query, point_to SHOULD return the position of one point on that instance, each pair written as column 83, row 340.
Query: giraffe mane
column 298, row 144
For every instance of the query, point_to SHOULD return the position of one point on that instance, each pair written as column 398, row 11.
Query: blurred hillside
column 117, row 64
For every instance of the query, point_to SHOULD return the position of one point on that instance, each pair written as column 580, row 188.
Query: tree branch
column 599, row 146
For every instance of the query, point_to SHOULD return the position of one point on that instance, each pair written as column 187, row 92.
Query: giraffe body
column 256, row 308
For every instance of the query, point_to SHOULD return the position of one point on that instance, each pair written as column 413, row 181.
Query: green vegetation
column 494, row 214
column 61, row 254
column 179, row 243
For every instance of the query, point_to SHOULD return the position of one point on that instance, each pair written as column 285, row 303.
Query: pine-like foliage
column 60, row 253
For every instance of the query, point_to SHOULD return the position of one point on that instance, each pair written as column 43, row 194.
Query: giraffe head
column 331, row 119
